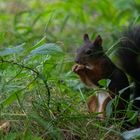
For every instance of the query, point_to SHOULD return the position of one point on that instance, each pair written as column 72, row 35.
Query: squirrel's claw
column 76, row 68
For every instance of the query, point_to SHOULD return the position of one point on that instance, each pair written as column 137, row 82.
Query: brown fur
column 90, row 76
column 95, row 106
column 93, row 65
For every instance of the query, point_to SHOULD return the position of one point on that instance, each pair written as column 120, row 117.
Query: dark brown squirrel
column 92, row 65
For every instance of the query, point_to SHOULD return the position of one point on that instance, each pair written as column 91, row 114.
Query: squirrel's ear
column 86, row 38
column 98, row 41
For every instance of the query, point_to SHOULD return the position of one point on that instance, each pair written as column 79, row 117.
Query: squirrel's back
column 129, row 51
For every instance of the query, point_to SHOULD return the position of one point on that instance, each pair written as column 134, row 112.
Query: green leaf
column 132, row 134
column 138, row 98
column 109, row 108
column 46, row 49
column 29, row 136
column 13, row 50
column 38, row 44
column 132, row 116
column 104, row 82
column 10, row 136
column 9, row 100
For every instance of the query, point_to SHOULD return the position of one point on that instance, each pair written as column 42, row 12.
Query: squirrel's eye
column 88, row 52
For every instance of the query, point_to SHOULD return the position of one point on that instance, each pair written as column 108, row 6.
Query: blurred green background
column 39, row 94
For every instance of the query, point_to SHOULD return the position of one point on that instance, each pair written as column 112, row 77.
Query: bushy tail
column 129, row 54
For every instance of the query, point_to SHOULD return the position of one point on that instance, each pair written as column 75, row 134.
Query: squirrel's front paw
column 77, row 68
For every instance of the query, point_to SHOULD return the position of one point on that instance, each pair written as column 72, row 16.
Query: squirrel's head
column 90, row 51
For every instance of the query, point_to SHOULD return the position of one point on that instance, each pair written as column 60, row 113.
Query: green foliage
column 104, row 83
column 39, row 94
column 132, row 134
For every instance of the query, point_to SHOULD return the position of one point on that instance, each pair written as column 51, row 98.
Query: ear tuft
column 86, row 38
column 98, row 41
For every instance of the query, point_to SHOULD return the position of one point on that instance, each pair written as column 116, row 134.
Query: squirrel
column 92, row 65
